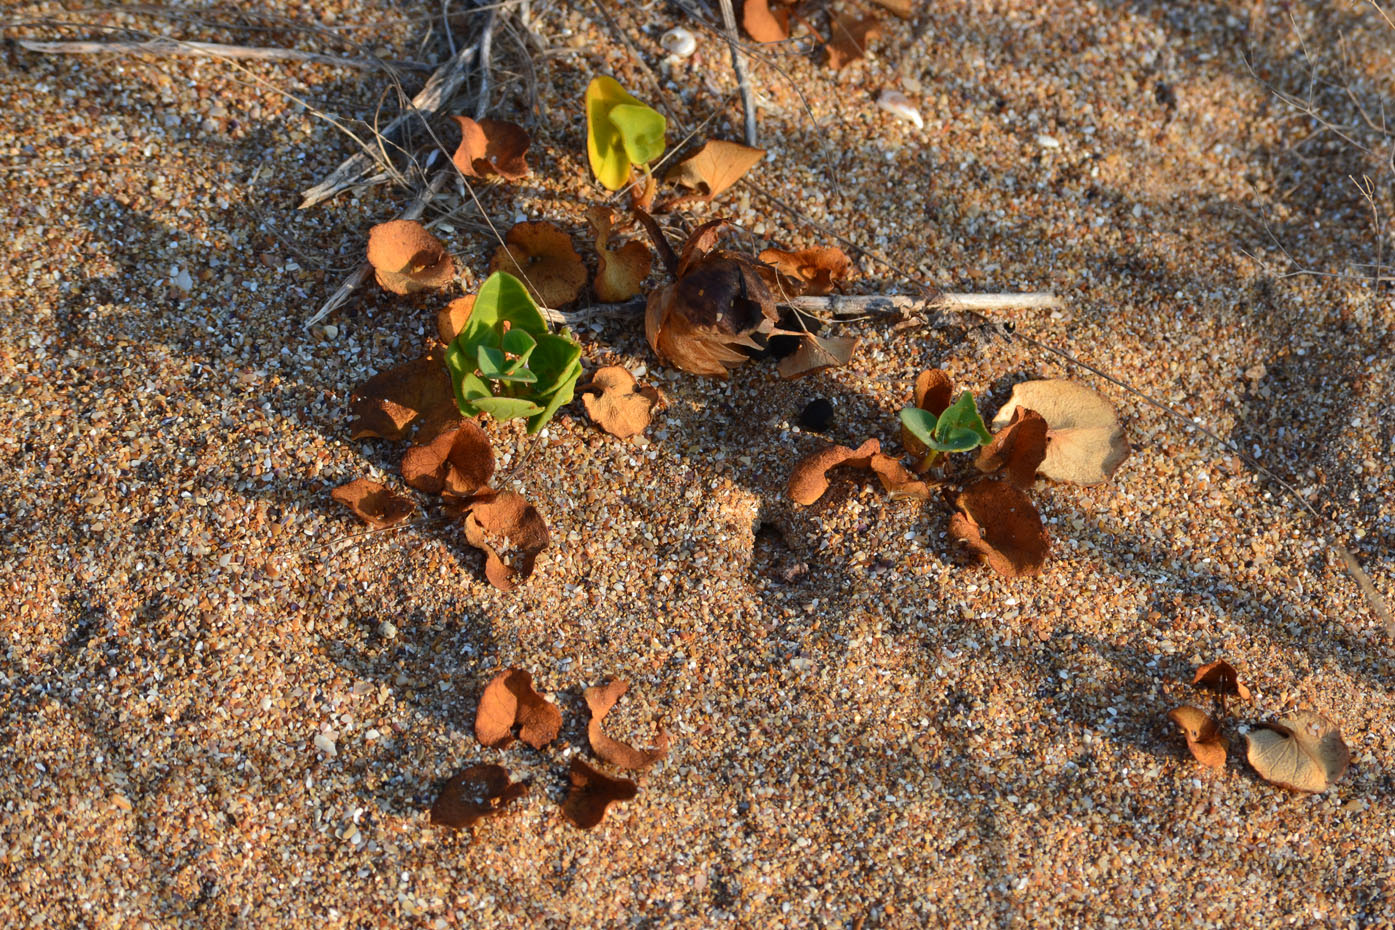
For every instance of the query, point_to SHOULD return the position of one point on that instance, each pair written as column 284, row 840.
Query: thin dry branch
column 166, row 48
column 739, row 66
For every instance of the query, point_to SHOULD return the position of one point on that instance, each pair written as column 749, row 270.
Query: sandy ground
column 869, row 730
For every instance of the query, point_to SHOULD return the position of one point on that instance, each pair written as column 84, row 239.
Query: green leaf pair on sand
column 958, row 429
column 621, row 132
column 506, row 363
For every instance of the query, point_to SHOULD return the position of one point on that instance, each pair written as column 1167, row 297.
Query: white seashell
column 678, row 41
column 895, row 103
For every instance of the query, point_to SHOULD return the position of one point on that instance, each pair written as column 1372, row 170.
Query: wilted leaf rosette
column 621, row 132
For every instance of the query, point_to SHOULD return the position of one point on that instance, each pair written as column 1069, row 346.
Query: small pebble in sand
column 679, row 42
column 387, row 630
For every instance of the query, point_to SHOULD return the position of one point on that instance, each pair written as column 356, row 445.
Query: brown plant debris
column 509, row 701
column 813, row 271
column 474, row 793
column 1085, row 441
column 406, row 258
column 620, row 272
column 902, row 8
column 848, row 39
column 542, row 256
column 896, row 479
column 998, row 522
column 459, row 461
column 375, row 504
column 1017, row 449
column 764, row 24
column 600, row 699
column 934, row 389
column 1203, row 735
column 715, row 167
column 1220, row 676
column 809, row 480
column 492, row 146
column 388, row 404
column 617, row 403
column 592, row 793
column 815, row 354
column 451, row 318
column 1302, row 752
column 491, row 515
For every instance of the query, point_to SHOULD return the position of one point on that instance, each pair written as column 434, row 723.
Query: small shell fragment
column 678, row 41
column 895, row 103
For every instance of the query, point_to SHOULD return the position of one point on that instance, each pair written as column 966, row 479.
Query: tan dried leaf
column 592, row 793
column 621, row 272
column 373, row 503
column 542, row 256
column 600, row 699
column 406, row 258
column 816, row 269
column 617, row 403
column 715, row 167
column 764, row 24
column 1220, row 676
column 809, row 480
column 816, row 353
column 492, row 146
column 848, row 39
column 388, row 404
column 1203, row 735
column 1018, row 448
column 453, row 317
column 1085, row 441
column 509, row 701
column 474, row 793
column 491, row 515
column 1303, row 752
column 459, row 461
column 999, row 523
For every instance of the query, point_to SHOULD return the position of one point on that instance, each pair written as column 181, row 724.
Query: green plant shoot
column 506, row 363
column 620, row 132
column 958, row 429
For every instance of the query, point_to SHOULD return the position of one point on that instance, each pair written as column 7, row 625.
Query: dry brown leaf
column 1203, row 735
column 848, row 39
column 406, row 258
column 1000, row 524
column 458, row 461
column 816, row 269
column 816, row 353
column 492, row 146
column 491, row 515
column 542, row 256
column 617, row 403
column 764, row 24
column 1220, row 676
column 809, row 480
column 1018, row 448
column 592, row 793
column 373, row 503
column 1084, row 441
column 509, row 701
column 452, row 318
column 933, row 392
column 389, row 403
column 1303, row 752
column 621, row 272
column 715, row 167
column 474, row 793
column 600, row 699
column 896, row 479
column 902, row 8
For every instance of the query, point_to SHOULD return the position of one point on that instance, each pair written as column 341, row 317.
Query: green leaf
column 641, row 131
column 507, row 408
column 961, row 427
column 616, row 142
column 560, row 399
column 520, row 344
column 920, row 423
column 491, row 362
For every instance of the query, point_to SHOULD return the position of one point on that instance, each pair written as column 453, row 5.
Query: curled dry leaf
column 617, row 403
column 1085, row 441
column 896, row 479
column 816, row 353
column 1303, row 752
column 492, row 146
column 406, row 258
column 458, row 461
column 373, row 503
column 1203, row 735
column 509, row 701
column 1017, row 449
column 491, row 515
column 814, row 270
column 764, row 24
column 592, row 793
column 902, row 8
column 451, row 319
column 998, row 522
column 621, row 272
column 809, row 480
column 934, row 389
column 848, row 39
column 388, row 404
column 1220, row 676
column 474, row 793
column 600, row 699
column 542, row 256
column 715, row 167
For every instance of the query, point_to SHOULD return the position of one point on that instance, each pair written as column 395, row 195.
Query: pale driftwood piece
column 739, row 66
column 166, row 48
column 486, row 50
column 356, row 277
column 839, row 307
column 440, row 87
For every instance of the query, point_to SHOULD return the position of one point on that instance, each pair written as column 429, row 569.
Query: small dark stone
column 817, row 417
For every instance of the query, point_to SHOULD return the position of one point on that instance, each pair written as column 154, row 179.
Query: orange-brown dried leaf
column 809, row 480
column 848, row 39
column 815, row 354
column 373, row 503
column 458, row 461
column 1203, row 735
column 902, row 8
column 542, row 256
column 1017, row 449
column 621, row 272
column 896, row 479
column 509, row 701
column 764, row 24
column 592, row 793
column 933, row 392
column 1220, row 676
column 817, row 269
column 474, row 793
column 715, row 167
column 617, row 403
column 492, row 146
column 998, row 522
column 1085, row 441
column 451, row 319
column 600, row 699
column 389, row 403
column 492, row 515
column 406, row 258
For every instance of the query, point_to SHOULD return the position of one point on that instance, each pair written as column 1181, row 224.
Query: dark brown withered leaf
column 591, row 794
column 509, row 701
column 1017, row 449
column 374, row 503
column 474, row 793
column 998, row 522
column 388, row 404
column 493, row 515
column 600, row 699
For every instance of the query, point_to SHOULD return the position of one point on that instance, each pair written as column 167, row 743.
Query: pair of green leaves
column 506, row 363
column 958, row 429
column 620, row 132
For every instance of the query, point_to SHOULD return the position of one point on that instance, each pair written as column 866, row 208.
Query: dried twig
column 164, row 48
column 486, row 47
column 739, row 66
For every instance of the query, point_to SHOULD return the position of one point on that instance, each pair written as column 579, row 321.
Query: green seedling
column 958, row 429
column 621, row 132
column 506, row 363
